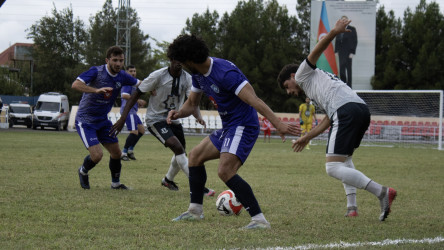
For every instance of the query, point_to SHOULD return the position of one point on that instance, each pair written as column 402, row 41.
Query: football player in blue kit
column 100, row 86
column 237, row 105
column 133, row 122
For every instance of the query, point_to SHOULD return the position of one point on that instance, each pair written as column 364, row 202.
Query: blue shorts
column 132, row 122
column 237, row 140
column 95, row 133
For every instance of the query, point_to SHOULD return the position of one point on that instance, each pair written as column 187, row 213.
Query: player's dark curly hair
column 188, row 48
column 285, row 73
column 114, row 51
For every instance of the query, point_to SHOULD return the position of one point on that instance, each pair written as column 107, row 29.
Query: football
column 227, row 203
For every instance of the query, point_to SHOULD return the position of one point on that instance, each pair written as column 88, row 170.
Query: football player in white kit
column 171, row 85
column 347, row 116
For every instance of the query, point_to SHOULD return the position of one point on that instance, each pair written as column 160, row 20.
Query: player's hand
column 172, row 115
column 117, row 127
column 141, row 103
column 104, row 90
column 341, row 25
column 299, row 144
column 286, row 128
column 202, row 122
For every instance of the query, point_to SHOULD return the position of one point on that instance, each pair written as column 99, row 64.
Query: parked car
column 20, row 114
column 51, row 110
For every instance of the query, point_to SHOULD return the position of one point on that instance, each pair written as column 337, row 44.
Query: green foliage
column 9, row 84
column 43, row 207
column 59, row 42
column 260, row 38
column 407, row 51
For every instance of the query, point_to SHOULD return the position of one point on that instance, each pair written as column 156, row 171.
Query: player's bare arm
column 190, row 106
column 248, row 95
column 300, row 144
column 117, row 127
column 340, row 27
column 82, row 87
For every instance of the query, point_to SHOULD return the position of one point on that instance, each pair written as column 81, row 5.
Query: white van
column 51, row 110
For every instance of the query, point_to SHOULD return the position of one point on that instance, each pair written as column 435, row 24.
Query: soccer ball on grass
column 227, row 203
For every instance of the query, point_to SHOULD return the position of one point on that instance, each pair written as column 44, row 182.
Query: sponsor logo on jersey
column 163, row 130
column 118, row 85
column 214, row 88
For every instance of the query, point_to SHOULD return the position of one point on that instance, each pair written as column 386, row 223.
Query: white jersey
column 325, row 89
column 166, row 97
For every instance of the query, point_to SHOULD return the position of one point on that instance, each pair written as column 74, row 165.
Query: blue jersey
column 221, row 84
column 95, row 107
column 129, row 90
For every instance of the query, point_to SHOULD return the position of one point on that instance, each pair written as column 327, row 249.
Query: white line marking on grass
column 386, row 242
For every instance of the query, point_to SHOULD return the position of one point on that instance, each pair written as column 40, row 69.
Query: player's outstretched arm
column 340, row 27
column 189, row 107
column 82, row 87
column 248, row 95
column 117, row 127
column 300, row 143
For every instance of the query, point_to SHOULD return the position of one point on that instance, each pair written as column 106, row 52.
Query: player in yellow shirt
column 306, row 115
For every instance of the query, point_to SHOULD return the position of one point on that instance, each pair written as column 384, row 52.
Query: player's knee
column 333, row 169
column 224, row 174
column 96, row 157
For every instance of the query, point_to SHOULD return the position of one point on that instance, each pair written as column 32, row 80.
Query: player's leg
column 348, row 127
column 308, row 127
column 87, row 133
column 111, row 144
column 164, row 133
column 349, row 71
column 201, row 153
column 139, row 131
column 236, row 146
column 132, row 136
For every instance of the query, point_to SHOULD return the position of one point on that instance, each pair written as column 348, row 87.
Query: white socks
column 196, row 208
column 174, row 169
column 178, row 162
column 349, row 176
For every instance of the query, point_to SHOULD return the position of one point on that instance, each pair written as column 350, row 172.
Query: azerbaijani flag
column 327, row 61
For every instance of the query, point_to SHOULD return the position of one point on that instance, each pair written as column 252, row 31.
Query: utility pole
column 123, row 37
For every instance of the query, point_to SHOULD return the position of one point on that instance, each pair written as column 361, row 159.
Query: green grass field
column 43, row 207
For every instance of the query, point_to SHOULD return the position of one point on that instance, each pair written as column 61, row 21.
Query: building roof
column 18, row 51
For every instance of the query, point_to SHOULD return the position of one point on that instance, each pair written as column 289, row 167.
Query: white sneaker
column 258, row 225
column 189, row 216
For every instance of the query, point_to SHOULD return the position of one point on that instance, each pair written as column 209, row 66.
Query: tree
column 404, row 59
column 259, row 38
column 103, row 35
column 59, row 42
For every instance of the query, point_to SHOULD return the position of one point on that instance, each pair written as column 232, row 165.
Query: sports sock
column 244, row 194
column 347, row 175
column 182, row 162
column 350, row 191
column 374, row 188
column 195, row 208
column 259, row 217
column 130, row 140
column 115, row 166
column 197, row 179
column 88, row 164
column 173, row 170
column 139, row 135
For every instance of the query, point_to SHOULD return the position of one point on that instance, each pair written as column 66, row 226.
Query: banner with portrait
column 351, row 56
